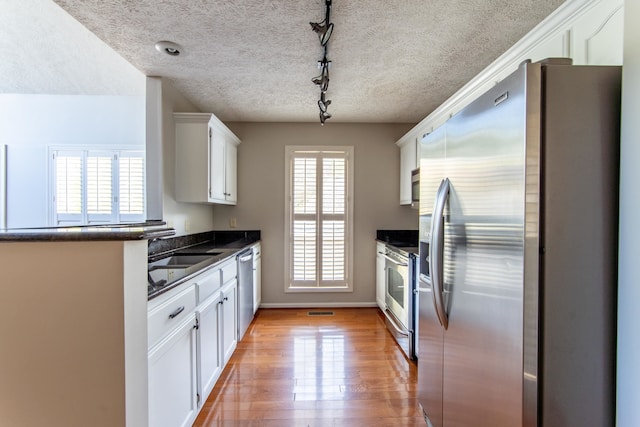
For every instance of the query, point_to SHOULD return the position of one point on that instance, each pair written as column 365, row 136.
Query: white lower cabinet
column 172, row 377
column 257, row 276
column 192, row 333
column 210, row 350
column 229, row 303
column 380, row 275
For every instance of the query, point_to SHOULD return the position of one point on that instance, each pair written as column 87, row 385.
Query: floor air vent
column 320, row 313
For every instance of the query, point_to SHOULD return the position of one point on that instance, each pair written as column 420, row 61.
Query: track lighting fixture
column 324, row 29
column 324, row 116
column 323, row 104
column 323, row 79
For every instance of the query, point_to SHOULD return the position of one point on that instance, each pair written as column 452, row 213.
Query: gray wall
column 261, row 198
column 628, row 382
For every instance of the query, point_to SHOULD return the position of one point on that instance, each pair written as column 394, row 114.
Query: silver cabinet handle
column 176, row 312
column 436, row 251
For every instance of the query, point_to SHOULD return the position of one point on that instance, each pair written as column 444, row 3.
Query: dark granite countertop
column 158, row 286
column 405, row 240
column 105, row 232
column 219, row 245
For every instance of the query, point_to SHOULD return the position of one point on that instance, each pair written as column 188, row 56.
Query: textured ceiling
column 253, row 60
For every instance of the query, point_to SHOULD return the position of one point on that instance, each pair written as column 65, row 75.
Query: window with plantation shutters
column 131, row 188
column 97, row 187
column 68, row 187
column 318, row 235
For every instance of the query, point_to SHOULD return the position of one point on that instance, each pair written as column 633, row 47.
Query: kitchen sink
column 165, row 271
column 180, row 261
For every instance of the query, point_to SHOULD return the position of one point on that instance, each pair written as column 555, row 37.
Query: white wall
column 261, row 198
column 30, row 124
column 628, row 381
column 60, row 85
column 45, row 50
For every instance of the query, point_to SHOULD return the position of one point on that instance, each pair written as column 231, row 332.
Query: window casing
column 319, row 212
column 96, row 186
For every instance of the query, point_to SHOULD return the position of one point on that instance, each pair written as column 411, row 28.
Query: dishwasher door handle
column 245, row 258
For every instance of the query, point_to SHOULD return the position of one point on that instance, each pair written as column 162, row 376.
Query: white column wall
column 628, row 381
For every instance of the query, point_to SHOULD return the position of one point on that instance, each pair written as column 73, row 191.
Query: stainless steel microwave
column 415, row 186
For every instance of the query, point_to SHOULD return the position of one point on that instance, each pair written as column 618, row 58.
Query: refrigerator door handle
column 436, row 251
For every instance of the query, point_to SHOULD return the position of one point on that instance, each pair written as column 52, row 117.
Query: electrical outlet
column 187, row 225
column 232, row 222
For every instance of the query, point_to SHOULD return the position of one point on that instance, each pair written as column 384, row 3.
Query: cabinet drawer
column 208, row 284
column 229, row 271
column 170, row 313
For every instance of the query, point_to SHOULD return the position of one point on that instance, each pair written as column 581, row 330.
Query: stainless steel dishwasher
column 245, row 291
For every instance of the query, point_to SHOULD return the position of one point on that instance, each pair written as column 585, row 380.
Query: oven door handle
column 394, row 324
column 399, row 264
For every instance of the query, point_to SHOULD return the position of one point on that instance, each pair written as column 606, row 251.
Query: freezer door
column 483, row 259
column 432, row 170
column 430, row 344
column 430, row 332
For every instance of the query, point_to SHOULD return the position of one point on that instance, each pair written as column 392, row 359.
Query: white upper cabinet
column 597, row 37
column 590, row 32
column 408, row 162
column 206, row 160
column 231, row 171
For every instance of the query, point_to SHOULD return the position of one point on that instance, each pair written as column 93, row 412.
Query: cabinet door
column 597, row 36
column 408, row 163
column 192, row 157
column 380, row 276
column 210, row 354
column 216, row 166
column 231, row 170
column 229, row 319
column 257, row 277
column 173, row 399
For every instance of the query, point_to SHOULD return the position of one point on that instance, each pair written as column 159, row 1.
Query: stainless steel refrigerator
column 518, row 244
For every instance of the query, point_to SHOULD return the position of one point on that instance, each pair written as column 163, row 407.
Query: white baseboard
column 318, row 305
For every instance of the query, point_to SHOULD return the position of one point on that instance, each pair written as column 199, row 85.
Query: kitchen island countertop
column 138, row 231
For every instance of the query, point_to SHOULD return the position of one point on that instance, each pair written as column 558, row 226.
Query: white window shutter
column 131, row 186
column 68, row 187
column 319, row 215
column 92, row 187
column 99, row 184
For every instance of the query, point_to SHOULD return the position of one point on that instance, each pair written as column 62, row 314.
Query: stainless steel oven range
column 399, row 297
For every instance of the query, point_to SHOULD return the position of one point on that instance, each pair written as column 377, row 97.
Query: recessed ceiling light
column 170, row 48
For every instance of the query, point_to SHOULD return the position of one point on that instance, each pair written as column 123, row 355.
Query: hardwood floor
column 296, row 370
